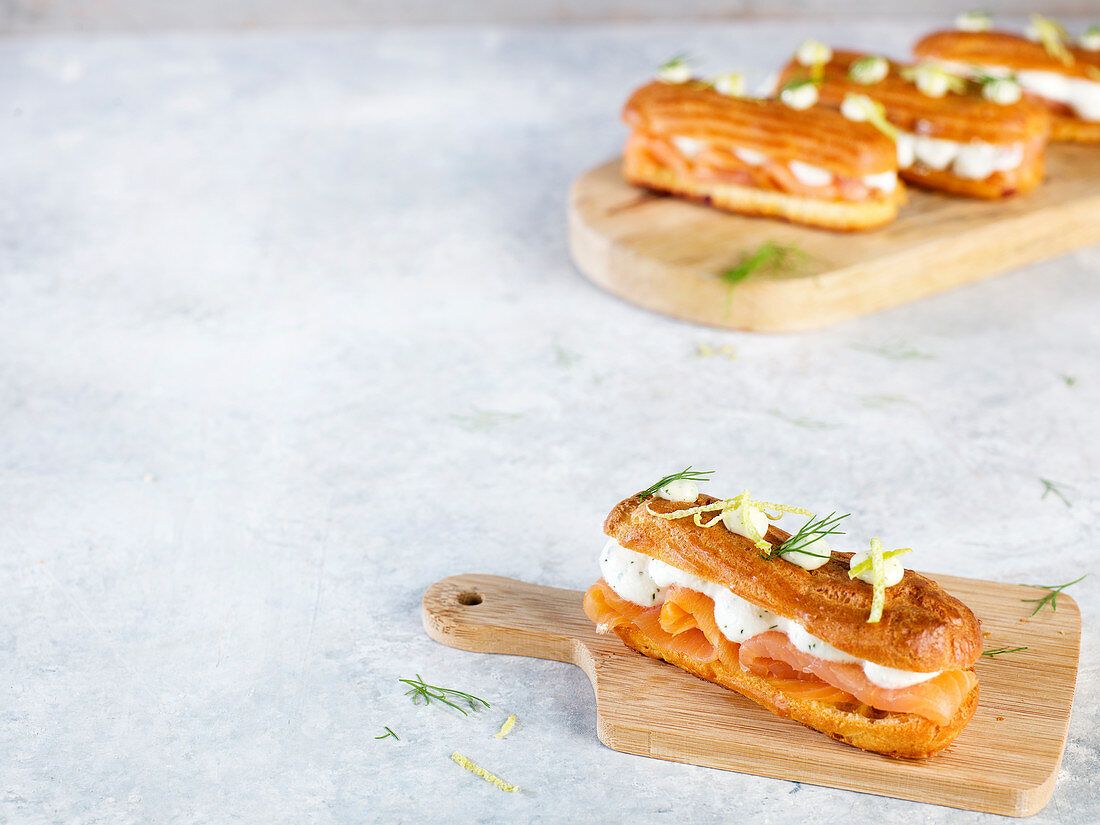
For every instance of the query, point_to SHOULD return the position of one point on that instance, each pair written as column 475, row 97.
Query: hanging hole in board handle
column 469, row 598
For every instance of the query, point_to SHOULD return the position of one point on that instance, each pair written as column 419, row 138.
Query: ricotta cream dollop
column 643, row 580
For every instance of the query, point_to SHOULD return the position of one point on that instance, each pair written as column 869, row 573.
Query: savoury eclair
column 760, row 157
column 952, row 133
column 1063, row 76
column 711, row 587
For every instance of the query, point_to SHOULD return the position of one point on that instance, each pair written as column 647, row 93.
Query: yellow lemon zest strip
column 771, row 510
column 865, row 565
column 492, row 779
column 506, row 727
column 878, row 598
column 1053, row 36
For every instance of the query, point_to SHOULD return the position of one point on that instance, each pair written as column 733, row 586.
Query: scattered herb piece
column 895, row 352
column 686, row 474
column 808, row 533
column 878, row 402
column 422, row 690
column 1050, row 487
column 1052, row 596
column 491, row 778
column 484, row 420
column 804, row 423
column 565, row 358
column 388, row 734
column 997, row 651
column 770, row 256
column 509, row 723
column 1069, row 379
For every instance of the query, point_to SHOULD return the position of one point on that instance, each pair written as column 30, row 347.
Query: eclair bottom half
column 840, row 215
column 681, row 639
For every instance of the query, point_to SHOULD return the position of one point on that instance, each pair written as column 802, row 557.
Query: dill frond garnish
column 1050, row 487
column 770, row 256
column 388, row 734
column 419, row 689
column 798, row 83
column 997, row 651
column 808, row 533
column 676, row 69
column 1050, row 598
column 476, row 769
column 686, row 474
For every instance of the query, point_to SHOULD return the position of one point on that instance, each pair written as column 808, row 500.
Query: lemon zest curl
column 771, row 511
column 491, row 778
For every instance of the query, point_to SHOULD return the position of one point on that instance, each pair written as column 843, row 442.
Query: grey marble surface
column 288, row 330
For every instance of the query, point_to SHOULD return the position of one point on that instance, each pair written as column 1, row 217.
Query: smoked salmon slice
column 936, row 699
column 685, row 623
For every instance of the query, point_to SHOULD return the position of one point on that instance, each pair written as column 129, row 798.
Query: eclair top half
column 923, row 628
column 960, row 117
column 817, row 135
column 1005, row 49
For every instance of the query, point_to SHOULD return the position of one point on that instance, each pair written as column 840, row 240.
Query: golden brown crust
column 895, row 734
column 1004, row 49
column 923, row 628
column 817, row 135
column 998, row 185
column 1075, row 130
column 958, row 117
column 749, row 200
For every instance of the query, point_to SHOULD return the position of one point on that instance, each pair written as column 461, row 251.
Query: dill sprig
column 1052, row 596
column 798, row 83
column 997, row 651
column 1050, row 487
column 770, row 256
column 808, row 533
column 388, row 734
column 419, row 689
column 687, row 474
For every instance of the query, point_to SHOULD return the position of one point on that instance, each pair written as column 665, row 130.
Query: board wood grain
column 1006, row 761
column 667, row 254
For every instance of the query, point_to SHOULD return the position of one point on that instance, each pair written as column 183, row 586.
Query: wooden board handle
column 494, row 614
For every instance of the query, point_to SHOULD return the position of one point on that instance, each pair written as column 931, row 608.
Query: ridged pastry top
column 958, row 117
column 1005, row 49
column 922, row 629
column 818, row 135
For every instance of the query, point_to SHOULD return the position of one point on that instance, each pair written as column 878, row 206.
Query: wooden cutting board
column 1005, row 762
column 666, row 254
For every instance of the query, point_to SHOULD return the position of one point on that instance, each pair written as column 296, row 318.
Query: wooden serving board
column 667, row 254
column 1005, row 762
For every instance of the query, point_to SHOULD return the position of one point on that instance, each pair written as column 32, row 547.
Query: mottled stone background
column 289, row 330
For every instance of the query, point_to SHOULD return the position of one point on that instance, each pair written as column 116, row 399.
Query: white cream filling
column 644, row 581
column 806, row 173
column 975, row 160
column 689, row 147
column 809, row 174
column 1081, row 95
column 750, row 156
